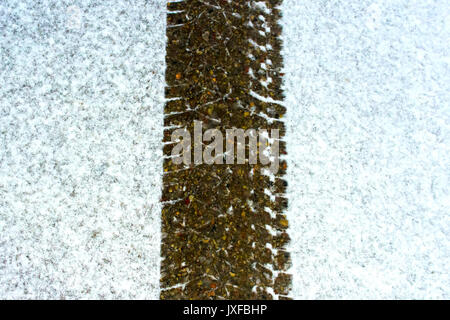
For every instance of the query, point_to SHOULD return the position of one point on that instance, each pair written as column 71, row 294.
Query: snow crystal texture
column 368, row 130
column 81, row 99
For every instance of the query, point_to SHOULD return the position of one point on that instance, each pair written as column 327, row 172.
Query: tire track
column 223, row 227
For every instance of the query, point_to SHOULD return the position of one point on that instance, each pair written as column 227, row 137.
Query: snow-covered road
column 368, row 127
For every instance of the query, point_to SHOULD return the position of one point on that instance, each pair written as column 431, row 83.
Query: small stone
column 284, row 222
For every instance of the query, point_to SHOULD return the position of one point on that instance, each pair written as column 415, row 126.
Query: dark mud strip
column 223, row 227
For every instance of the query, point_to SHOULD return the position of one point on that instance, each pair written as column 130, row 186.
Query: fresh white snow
column 368, row 127
column 81, row 105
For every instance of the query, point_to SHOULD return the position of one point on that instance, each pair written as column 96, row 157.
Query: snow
column 367, row 92
column 81, row 101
